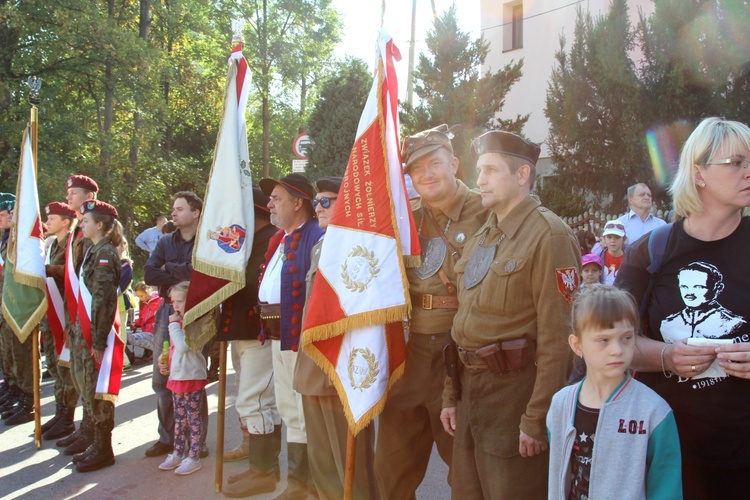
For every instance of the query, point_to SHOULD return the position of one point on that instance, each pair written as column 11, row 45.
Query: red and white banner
column 56, row 316
column 110, row 371
column 225, row 233
column 354, row 321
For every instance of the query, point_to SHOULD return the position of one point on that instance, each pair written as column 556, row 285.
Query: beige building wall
column 536, row 38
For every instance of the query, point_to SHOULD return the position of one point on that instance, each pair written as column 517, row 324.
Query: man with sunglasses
column 639, row 220
column 447, row 215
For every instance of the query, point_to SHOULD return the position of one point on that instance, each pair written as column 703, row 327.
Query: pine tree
column 335, row 117
column 451, row 90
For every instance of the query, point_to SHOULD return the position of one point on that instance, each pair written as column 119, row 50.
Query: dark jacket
column 238, row 318
column 175, row 255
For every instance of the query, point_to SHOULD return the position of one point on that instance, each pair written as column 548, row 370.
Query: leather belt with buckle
column 429, row 301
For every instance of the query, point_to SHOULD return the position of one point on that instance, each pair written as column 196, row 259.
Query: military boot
column 85, row 438
column 70, row 439
column 80, row 457
column 102, row 455
column 4, row 388
column 51, row 422
column 261, row 477
column 64, row 425
column 10, row 401
column 24, row 410
column 242, row 450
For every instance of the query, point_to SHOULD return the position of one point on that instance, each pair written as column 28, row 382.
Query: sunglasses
column 616, row 226
column 324, row 202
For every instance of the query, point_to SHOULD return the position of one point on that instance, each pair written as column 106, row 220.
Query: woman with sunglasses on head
column 701, row 292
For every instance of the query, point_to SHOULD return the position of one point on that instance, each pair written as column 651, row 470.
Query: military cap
column 83, row 182
column 298, row 185
column 58, row 208
column 330, row 184
column 425, row 142
column 7, row 201
column 496, row 141
column 98, row 207
column 260, row 200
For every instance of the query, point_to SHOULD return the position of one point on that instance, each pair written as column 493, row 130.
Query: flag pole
column 351, row 447
column 34, row 85
column 219, row 477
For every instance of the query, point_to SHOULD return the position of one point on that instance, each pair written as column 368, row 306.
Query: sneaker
column 172, row 462
column 188, row 466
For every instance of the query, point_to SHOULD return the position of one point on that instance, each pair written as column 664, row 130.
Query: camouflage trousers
column 17, row 359
column 65, row 392
column 85, row 373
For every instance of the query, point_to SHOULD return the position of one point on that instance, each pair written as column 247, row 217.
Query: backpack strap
column 657, row 247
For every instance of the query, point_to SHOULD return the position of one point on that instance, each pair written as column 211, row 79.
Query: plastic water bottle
column 165, row 355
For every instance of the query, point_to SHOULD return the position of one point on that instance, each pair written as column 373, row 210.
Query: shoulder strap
column 454, row 253
column 657, row 246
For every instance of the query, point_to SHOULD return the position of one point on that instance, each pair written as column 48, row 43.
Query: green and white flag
column 24, row 291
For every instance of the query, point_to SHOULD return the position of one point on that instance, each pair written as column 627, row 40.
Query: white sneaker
column 172, row 462
column 188, row 466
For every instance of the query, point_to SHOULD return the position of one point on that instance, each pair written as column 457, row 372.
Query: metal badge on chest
column 433, row 253
column 480, row 262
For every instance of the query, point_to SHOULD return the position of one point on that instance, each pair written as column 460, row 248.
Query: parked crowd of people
column 539, row 363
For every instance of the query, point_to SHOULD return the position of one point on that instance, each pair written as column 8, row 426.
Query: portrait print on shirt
column 700, row 286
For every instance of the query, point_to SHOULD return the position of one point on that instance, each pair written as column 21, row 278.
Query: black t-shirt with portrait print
column 583, row 449
column 702, row 290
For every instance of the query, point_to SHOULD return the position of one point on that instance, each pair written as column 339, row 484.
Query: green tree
column 596, row 135
column 335, row 117
column 451, row 89
column 287, row 45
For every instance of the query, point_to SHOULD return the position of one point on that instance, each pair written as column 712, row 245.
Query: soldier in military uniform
column 60, row 220
column 100, row 277
column 252, row 360
column 79, row 189
column 516, row 281
column 325, row 420
column 447, row 214
column 281, row 300
column 11, row 392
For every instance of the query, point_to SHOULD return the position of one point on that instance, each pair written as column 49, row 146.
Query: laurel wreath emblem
column 372, row 368
column 352, row 284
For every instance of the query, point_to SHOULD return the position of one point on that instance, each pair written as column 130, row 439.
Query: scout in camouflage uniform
column 447, row 214
column 9, row 391
column 18, row 360
column 100, row 273
column 516, row 280
column 79, row 190
column 60, row 219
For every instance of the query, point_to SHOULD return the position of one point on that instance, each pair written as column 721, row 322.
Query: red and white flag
column 225, row 232
column 56, row 316
column 110, row 371
column 354, row 321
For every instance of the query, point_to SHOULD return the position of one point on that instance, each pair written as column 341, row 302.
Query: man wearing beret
column 281, row 300
column 60, row 221
column 170, row 263
column 252, row 360
column 325, row 420
column 79, row 189
column 516, row 281
column 447, row 214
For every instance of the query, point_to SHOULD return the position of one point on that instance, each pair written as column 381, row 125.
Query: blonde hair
column 698, row 150
column 182, row 286
column 141, row 286
column 599, row 307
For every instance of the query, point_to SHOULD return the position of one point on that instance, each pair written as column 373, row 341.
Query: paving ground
column 28, row 473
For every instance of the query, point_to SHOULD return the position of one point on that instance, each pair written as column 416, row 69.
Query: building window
column 512, row 26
